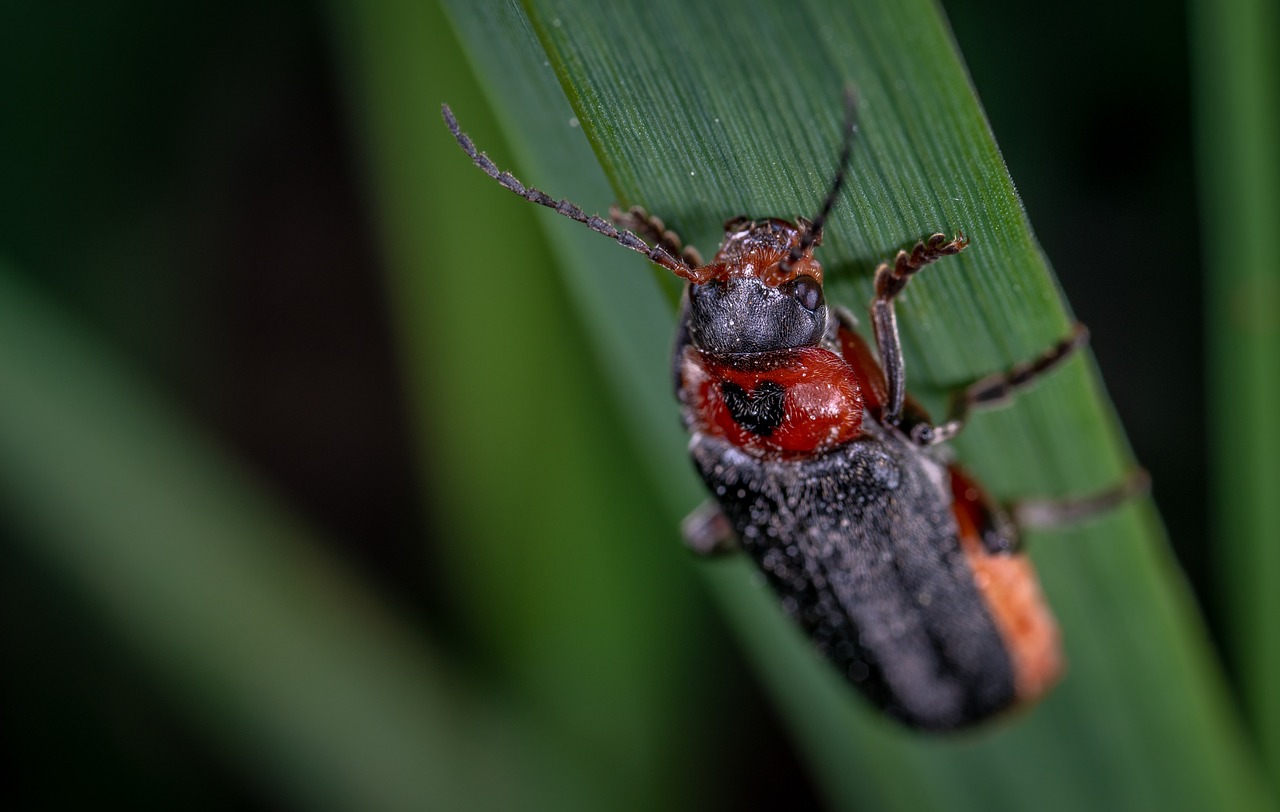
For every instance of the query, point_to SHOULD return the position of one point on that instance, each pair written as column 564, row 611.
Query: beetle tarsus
column 651, row 228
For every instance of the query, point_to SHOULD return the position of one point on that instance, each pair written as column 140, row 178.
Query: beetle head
column 762, row 292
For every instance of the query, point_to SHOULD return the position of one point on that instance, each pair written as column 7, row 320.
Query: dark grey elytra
column 861, row 547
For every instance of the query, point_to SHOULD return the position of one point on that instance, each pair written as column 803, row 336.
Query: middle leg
column 996, row 389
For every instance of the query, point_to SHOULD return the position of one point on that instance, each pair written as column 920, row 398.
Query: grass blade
column 1236, row 73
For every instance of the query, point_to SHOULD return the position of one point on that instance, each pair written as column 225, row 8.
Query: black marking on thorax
column 759, row 411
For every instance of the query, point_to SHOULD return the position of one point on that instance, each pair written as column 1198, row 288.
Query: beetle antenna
column 813, row 233
column 656, row 254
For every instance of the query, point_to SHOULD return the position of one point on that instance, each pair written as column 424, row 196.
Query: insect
column 898, row 566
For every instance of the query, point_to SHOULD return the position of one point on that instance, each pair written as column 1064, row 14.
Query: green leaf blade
column 1235, row 72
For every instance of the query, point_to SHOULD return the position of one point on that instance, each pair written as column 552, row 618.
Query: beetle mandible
column 894, row 561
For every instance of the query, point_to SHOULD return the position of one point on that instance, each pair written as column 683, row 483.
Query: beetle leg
column 995, row 390
column 707, row 530
column 1047, row 514
column 890, row 279
column 651, row 228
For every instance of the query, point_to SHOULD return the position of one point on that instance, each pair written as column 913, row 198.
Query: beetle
column 894, row 561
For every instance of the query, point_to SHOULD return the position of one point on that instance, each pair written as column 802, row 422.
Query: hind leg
column 1048, row 514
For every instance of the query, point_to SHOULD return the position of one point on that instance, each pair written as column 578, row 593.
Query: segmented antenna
column 656, row 254
column 813, row 232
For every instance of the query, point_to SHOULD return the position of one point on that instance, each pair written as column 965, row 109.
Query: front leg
column 651, row 228
column 889, row 281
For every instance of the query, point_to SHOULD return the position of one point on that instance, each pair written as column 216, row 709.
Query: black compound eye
column 806, row 290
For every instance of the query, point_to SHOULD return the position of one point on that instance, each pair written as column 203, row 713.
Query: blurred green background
column 250, row 562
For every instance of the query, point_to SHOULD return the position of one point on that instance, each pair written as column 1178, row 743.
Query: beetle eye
column 806, row 290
